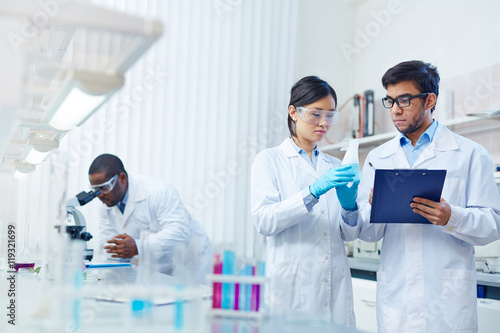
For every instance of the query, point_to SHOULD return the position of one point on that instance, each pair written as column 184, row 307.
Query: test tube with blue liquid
column 248, row 287
column 261, row 271
column 228, row 289
column 141, row 307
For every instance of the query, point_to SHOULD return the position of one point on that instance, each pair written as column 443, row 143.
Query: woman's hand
column 333, row 178
column 347, row 195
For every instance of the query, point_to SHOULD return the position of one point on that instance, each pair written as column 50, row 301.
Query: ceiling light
column 37, row 150
column 22, row 169
column 81, row 94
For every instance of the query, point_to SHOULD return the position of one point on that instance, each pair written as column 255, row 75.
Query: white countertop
column 106, row 307
column 371, row 265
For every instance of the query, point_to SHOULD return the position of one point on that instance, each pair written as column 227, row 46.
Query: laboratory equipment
column 237, row 290
column 24, row 259
column 351, row 152
column 217, row 291
column 366, row 250
column 77, row 226
column 368, row 126
column 228, row 289
column 358, row 116
column 141, row 307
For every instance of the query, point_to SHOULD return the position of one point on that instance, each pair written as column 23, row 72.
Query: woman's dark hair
column 424, row 76
column 306, row 91
column 107, row 163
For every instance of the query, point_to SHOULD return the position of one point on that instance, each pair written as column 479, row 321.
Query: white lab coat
column 306, row 260
column 426, row 281
column 156, row 206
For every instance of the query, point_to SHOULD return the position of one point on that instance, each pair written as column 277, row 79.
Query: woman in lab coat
column 295, row 205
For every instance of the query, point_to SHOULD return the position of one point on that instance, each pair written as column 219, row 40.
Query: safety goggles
column 315, row 117
column 402, row 102
column 107, row 186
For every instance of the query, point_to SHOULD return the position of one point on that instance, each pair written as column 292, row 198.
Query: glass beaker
column 24, row 259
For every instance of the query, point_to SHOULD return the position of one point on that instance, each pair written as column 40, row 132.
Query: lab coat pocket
column 459, row 299
column 284, row 290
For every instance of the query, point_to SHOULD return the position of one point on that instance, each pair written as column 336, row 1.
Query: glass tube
column 24, row 260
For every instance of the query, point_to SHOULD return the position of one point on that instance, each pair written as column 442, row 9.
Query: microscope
column 77, row 226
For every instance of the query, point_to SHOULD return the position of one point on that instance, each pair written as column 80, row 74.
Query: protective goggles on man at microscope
column 315, row 117
column 107, row 186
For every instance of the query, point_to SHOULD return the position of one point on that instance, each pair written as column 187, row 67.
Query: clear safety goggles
column 107, row 186
column 315, row 117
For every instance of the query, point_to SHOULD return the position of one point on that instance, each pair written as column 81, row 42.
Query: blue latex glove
column 332, row 178
column 347, row 195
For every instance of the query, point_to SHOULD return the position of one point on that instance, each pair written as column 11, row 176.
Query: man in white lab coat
column 426, row 281
column 134, row 204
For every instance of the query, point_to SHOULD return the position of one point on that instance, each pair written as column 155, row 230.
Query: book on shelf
column 486, row 114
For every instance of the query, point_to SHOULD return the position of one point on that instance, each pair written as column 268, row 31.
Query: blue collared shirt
column 313, row 161
column 412, row 153
column 123, row 202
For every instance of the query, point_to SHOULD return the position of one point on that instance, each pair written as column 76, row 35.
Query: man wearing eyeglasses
column 137, row 203
column 426, row 280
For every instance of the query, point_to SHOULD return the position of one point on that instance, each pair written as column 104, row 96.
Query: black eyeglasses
column 402, row 101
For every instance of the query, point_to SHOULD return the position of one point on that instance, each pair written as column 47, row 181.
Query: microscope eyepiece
column 86, row 236
column 86, row 197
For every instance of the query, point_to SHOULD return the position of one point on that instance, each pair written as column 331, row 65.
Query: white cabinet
column 488, row 312
column 364, row 294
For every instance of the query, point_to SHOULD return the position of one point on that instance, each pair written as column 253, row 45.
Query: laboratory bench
column 42, row 306
column 364, row 276
column 488, row 284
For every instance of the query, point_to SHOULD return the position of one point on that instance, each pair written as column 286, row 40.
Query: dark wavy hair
column 424, row 76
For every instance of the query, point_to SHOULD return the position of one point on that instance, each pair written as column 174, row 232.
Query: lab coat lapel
column 324, row 163
column 426, row 155
column 294, row 156
column 129, row 209
column 443, row 141
column 394, row 151
column 135, row 194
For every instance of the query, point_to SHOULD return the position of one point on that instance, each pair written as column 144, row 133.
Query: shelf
column 375, row 140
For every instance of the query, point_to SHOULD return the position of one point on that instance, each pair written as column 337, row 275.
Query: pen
column 371, row 165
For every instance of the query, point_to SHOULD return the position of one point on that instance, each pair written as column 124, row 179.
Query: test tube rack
column 256, row 312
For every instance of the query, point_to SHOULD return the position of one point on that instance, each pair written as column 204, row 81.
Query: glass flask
column 351, row 152
column 24, row 258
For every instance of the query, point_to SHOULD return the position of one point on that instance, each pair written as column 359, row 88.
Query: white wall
column 352, row 43
column 321, row 26
column 457, row 36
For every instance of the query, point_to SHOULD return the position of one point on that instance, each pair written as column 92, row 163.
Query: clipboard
column 394, row 190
